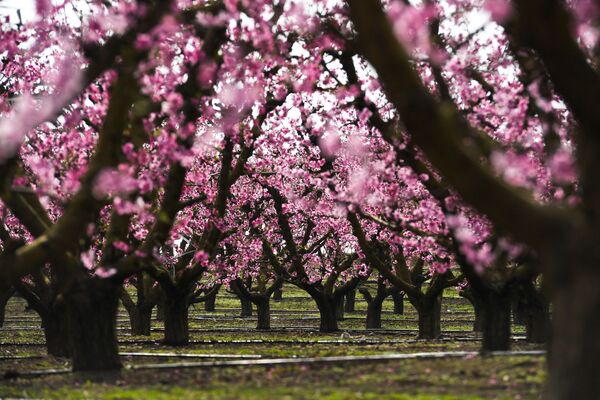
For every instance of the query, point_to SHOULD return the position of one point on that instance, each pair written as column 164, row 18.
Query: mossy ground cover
column 462, row 378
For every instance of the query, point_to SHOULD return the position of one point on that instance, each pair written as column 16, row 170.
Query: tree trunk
column 56, row 333
column 350, row 305
column 91, row 307
column 398, row 298
column 263, row 309
column 328, row 314
column 177, row 332
column 339, row 308
column 496, row 321
column 246, row 307
column 374, row 314
column 538, row 325
column 160, row 309
column 4, row 297
column 209, row 303
column 519, row 308
column 575, row 348
column 429, row 310
column 537, row 314
column 478, row 323
column 141, row 320
column 278, row 294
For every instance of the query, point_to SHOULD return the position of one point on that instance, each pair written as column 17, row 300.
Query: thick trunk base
column 398, row 303
column 141, row 320
column 177, row 331
column 327, row 310
column 210, row 302
column 263, row 310
column 496, row 322
column 374, row 315
column 246, row 307
column 91, row 309
column 575, row 348
column 429, row 312
column 56, row 334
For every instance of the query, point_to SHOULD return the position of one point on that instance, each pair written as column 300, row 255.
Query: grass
column 444, row 379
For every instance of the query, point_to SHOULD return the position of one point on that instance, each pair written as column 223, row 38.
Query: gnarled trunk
column 496, row 321
column 429, row 312
column 91, row 308
column 398, row 298
column 263, row 310
column 350, row 305
column 374, row 313
column 177, row 332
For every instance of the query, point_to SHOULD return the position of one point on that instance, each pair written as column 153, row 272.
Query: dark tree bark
column 398, row 298
column 537, row 314
column 263, row 310
column 374, row 314
column 141, row 320
column 468, row 294
column 429, row 314
column 278, row 294
column 328, row 313
column 176, row 320
column 91, row 309
column 5, row 295
column 496, row 320
column 350, row 305
column 160, row 309
column 574, row 347
column 519, row 308
column 56, row 333
column 246, row 307
column 209, row 303
column 339, row 309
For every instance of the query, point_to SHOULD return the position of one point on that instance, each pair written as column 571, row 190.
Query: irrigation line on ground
column 357, row 341
column 288, row 361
